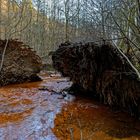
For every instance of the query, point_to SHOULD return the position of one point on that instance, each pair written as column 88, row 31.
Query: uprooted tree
column 100, row 69
column 19, row 64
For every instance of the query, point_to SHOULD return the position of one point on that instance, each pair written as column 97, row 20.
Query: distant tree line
column 43, row 24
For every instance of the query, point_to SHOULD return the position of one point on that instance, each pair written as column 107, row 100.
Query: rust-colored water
column 27, row 113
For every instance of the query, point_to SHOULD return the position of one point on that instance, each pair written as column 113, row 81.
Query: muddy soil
column 27, row 113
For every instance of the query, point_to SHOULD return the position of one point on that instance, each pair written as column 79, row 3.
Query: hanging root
column 101, row 69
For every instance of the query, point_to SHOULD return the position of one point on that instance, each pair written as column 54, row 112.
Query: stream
column 28, row 113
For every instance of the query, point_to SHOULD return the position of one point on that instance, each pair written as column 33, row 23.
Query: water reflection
column 27, row 113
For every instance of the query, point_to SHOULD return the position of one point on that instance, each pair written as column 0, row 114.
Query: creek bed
column 27, row 113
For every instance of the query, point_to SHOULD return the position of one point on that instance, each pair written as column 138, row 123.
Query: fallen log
column 102, row 70
column 20, row 63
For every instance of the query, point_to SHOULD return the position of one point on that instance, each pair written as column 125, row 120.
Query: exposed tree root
column 102, row 70
column 19, row 63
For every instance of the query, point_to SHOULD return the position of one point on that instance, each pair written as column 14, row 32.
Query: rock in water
column 100, row 69
column 20, row 63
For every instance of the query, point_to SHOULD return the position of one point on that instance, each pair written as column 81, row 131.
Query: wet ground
column 27, row 113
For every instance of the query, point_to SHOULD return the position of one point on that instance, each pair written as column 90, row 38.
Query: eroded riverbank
column 27, row 113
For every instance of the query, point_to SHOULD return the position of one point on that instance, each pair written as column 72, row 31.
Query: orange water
column 27, row 113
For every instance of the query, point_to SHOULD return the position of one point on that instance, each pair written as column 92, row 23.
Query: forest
column 69, row 69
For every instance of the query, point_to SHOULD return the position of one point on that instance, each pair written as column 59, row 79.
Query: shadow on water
column 27, row 113
column 87, row 120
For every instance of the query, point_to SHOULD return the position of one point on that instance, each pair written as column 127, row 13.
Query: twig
column 3, row 54
column 80, row 126
column 71, row 134
column 133, row 67
column 109, row 39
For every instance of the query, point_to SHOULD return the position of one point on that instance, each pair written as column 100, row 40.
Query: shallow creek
column 27, row 113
